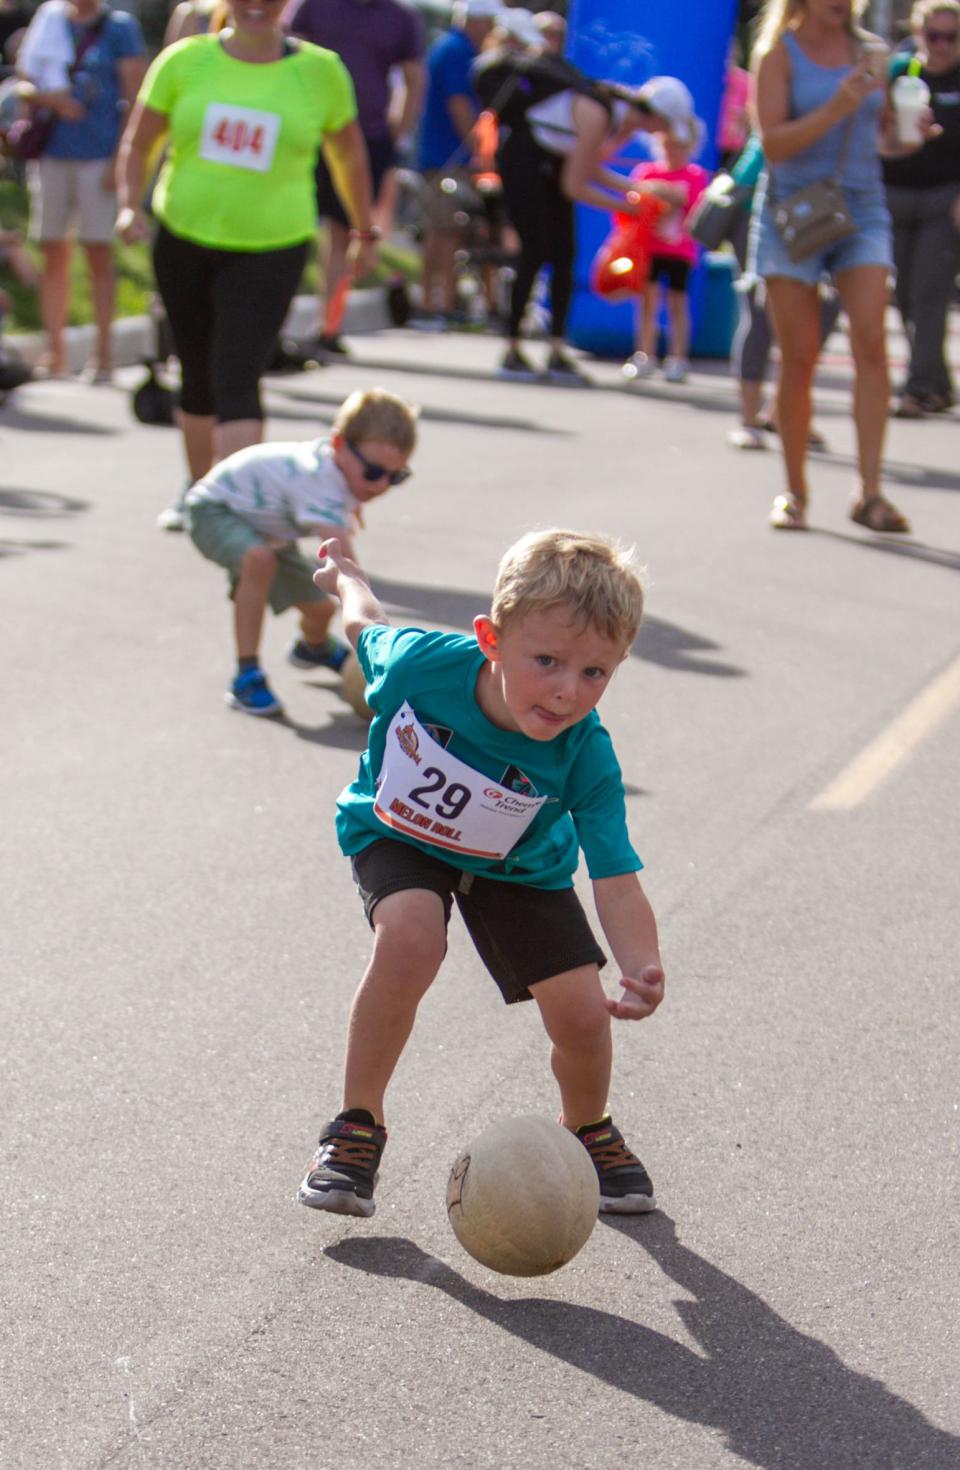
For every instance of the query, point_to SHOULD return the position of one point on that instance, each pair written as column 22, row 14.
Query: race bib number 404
column 239, row 136
column 426, row 793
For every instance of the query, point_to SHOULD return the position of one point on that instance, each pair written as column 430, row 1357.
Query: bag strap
column 833, row 178
column 90, row 35
column 461, row 150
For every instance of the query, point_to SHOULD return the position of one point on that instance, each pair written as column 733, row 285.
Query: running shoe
column 625, row 1185
column 638, row 366
column 676, row 369
column 304, row 655
column 515, row 368
column 563, row 369
column 251, row 693
column 331, row 344
column 343, row 1172
column 748, row 436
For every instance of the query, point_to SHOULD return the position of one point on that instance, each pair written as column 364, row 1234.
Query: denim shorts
column 871, row 245
column 225, row 538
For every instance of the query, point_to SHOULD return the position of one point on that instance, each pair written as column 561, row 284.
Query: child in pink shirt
column 675, row 252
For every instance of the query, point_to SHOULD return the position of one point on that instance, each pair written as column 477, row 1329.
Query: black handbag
column 718, row 211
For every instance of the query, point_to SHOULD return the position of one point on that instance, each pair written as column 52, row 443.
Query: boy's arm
column 339, row 574
column 631, row 931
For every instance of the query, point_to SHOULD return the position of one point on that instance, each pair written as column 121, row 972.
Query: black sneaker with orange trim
column 625, row 1185
column 343, row 1171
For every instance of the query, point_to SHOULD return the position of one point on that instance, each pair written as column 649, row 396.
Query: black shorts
column 383, row 156
column 522, row 934
column 675, row 273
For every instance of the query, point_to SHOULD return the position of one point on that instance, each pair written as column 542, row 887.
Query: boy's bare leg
column 581, row 1054
column 315, row 620
column 257, row 571
column 648, row 326
column 409, row 945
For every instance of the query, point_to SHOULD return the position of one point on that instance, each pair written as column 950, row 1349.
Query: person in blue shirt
column 451, row 108
column 488, row 771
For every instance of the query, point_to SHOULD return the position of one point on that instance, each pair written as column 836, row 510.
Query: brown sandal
column 788, row 513
column 879, row 515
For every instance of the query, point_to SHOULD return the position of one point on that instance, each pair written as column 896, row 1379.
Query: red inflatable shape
column 621, row 267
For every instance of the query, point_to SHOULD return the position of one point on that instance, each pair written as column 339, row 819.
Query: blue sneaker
column 251, row 693
column 332, row 656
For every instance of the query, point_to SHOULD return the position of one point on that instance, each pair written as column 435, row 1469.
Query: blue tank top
column 810, row 86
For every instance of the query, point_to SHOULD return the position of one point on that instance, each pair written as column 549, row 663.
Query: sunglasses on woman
column 372, row 472
column 941, row 38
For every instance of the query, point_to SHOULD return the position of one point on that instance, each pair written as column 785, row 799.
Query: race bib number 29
column 242, row 137
column 427, row 793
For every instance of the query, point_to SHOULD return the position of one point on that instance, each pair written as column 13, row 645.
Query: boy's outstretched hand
column 641, row 995
column 334, row 560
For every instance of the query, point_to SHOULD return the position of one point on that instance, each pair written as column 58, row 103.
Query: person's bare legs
column 864, row 292
column 257, row 571
column 647, row 335
column 235, row 434
column 315, row 620
column 197, row 430
column 55, row 301
column 795, row 310
column 335, row 251
column 103, row 290
column 678, row 312
column 581, row 1051
column 408, row 949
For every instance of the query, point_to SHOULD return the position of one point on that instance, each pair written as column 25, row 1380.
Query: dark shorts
column 522, row 934
column 675, row 273
column 383, row 157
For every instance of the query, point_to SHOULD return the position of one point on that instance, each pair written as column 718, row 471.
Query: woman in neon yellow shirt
column 243, row 113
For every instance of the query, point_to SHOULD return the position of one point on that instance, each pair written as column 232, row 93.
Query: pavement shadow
column 660, row 642
column 343, row 731
column 901, row 472
column 428, row 414
column 42, row 504
column 782, row 1399
column 50, row 423
column 910, row 550
column 20, row 548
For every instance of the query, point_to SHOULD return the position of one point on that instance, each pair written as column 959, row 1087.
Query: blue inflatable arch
column 630, row 41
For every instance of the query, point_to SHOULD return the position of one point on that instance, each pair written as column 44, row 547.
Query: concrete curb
column 133, row 336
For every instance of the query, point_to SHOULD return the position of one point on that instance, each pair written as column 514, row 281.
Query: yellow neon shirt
column 242, row 142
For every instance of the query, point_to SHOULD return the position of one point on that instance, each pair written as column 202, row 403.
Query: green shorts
column 223, row 537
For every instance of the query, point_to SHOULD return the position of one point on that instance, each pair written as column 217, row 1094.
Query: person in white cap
column 557, row 128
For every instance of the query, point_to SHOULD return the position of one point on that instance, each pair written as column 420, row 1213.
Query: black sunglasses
column 373, row 472
column 948, row 38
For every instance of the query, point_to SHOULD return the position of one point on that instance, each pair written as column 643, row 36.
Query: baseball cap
column 521, row 25
column 669, row 99
column 479, row 9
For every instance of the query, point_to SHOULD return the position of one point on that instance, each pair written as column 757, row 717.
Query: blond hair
column 778, row 16
column 375, row 414
column 923, row 10
column 593, row 576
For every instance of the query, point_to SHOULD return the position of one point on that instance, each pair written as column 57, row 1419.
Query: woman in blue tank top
column 821, row 115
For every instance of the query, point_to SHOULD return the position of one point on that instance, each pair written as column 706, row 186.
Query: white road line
column 880, row 759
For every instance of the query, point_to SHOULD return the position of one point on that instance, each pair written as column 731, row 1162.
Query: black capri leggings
column 225, row 309
column 542, row 216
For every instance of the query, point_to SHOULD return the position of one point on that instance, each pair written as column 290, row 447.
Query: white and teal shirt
column 283, row 491
column 438, row 774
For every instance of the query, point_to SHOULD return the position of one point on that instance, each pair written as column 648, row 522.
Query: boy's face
column 357, row 462
column 545, row 671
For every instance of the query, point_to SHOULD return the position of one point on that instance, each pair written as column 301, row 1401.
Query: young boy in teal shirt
column 487, row 772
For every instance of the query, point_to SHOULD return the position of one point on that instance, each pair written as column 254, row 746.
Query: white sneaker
column 748, row 436
column 675, row 370
column 638, row 366
column 173, row 518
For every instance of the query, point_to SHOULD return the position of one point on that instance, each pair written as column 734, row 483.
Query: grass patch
column 135, row 272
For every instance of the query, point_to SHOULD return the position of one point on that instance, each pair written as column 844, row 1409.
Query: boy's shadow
column 784, row 1400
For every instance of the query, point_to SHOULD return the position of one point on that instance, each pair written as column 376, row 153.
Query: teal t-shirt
column 436, row 675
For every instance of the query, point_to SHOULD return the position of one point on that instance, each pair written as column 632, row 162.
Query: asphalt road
column 180, row 940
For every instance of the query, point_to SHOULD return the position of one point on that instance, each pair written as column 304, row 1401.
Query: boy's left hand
column 641, row 995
